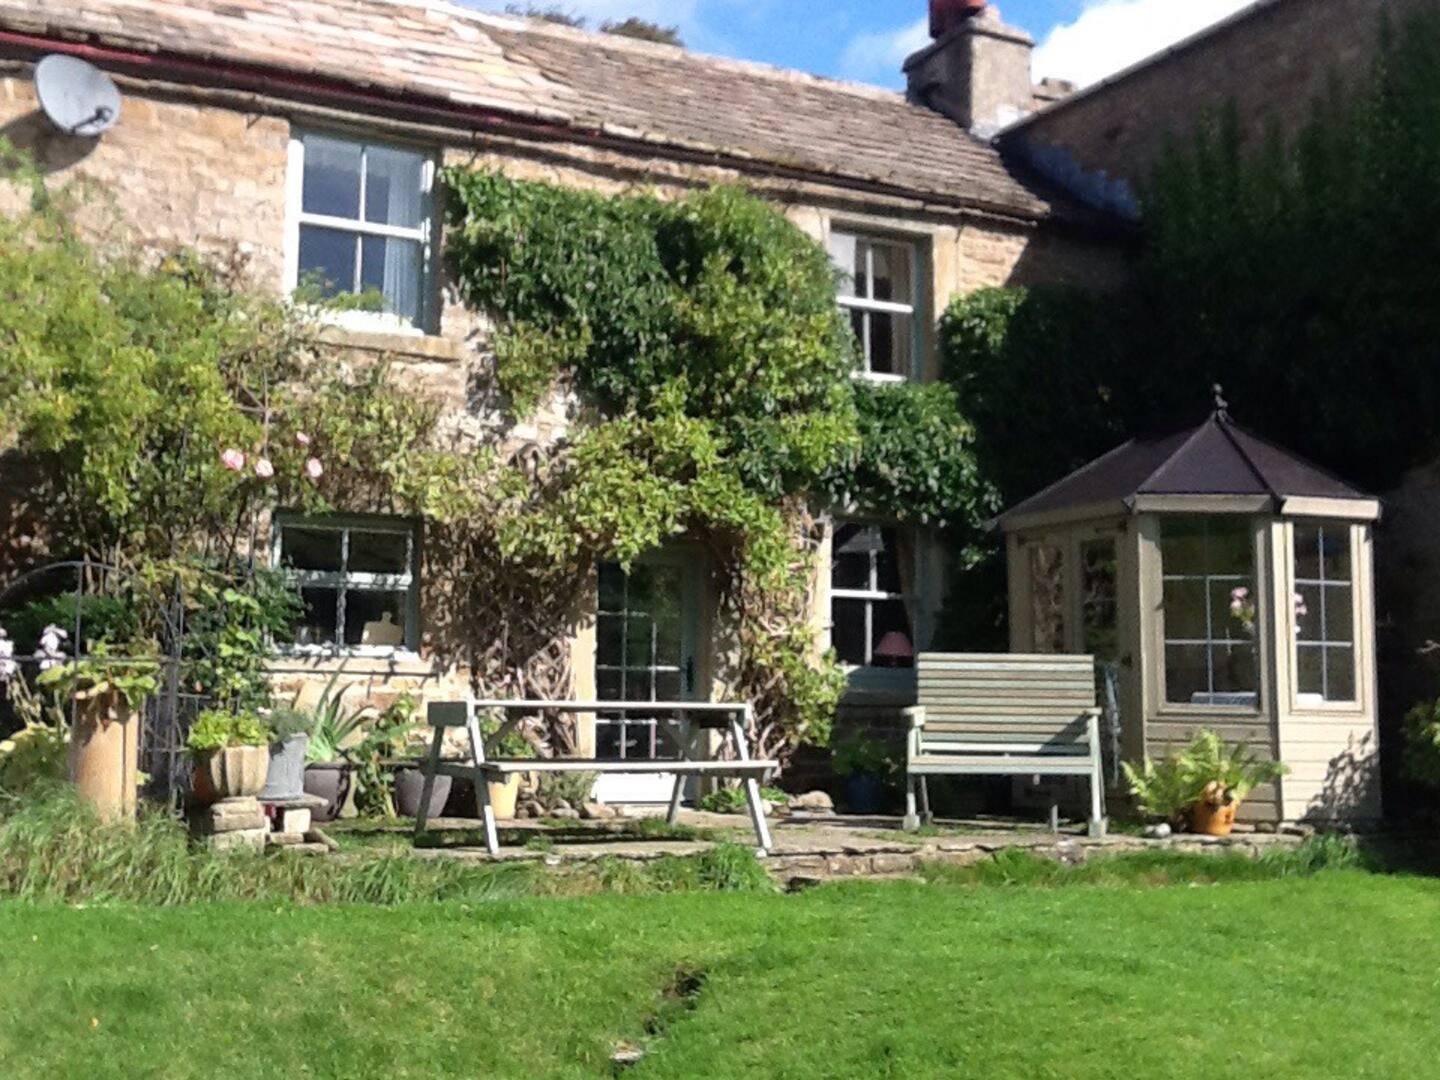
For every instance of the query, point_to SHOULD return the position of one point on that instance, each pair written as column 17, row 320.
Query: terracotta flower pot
column 103, row 756
column 1214, row 815
column 232, row 772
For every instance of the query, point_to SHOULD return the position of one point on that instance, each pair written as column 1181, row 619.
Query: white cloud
column 1111, row 35
column 876, row 56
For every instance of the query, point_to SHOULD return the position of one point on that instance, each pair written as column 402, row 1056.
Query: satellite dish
column 78, row 97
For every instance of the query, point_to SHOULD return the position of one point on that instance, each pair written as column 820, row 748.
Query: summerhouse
column 1228, row 585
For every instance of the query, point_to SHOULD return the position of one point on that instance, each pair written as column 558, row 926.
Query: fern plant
column 1205, row 770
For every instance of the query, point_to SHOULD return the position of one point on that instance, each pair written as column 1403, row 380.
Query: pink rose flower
column 233, row 459
column 263, row 468
column 302, row 438
column 313, row 469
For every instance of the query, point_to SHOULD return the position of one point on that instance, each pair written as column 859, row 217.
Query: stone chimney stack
column 976, row 71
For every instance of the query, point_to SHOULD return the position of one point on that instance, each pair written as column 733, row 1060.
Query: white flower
column 8, row 667
column 314, row 469
column 263, row 469
column 52, row 647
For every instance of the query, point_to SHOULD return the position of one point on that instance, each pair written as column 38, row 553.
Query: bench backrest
column 1006, row 703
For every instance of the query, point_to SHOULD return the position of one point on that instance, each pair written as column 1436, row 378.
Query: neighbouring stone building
column 257, row 125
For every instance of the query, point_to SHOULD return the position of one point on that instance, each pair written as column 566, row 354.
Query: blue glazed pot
column 864, row 793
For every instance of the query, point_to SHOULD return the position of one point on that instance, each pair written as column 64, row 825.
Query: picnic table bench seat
column 730, row 718
column 1004, row 715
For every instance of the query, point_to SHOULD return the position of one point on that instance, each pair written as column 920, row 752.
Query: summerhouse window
column 1210, row 612
column 357, row 581
column 878, row 292
column 1324, row 612
column 361, row 214
column 871, row 595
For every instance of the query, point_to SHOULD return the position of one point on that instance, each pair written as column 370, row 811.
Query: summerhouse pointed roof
column 1218, row 459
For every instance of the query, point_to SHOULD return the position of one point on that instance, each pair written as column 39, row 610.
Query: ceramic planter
column 1214, row 814
column 286, row 779
column 331, row 781
column 410, row 785
column 232, row 772
column 103, row 756
column 503, row 797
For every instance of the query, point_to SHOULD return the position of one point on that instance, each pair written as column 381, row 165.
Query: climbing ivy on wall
column 713, row 372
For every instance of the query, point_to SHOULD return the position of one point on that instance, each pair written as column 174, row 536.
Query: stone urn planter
column 331, row 781
column 231, row 772
column 103, row 756
column 286, row 778
column 410, row 785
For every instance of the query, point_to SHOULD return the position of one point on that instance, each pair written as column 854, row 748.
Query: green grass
column 1335, row 974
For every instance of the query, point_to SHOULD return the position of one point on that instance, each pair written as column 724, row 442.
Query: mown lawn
column 1332, row 975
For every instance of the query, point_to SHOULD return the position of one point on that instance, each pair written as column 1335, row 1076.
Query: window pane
column 1339, row 612
column 310, row 549
column 1322, row 552
column 887, row 562
column 1235, row 673
column 850, row 564
column 327, row 260
column 1187, row 678
column 394, row 187
column 1310, row 670
column 1182, row 546
column 1229, row 546
column 379, row 552
column 1185, row 610
column 639, row 685
column 862, row 269
column 1340, row 674
column 607, row 739
column 859, row 323
column 319, row 617
column 612, row 587
column 639, row 641
column 610, row 648
column 374, row 617
column 1047, row 599
column 332, row 177
column 667, row 686
column 892, row 274
column 1099, row 598
column 1308, row 626
column 843, row 253
column 889, row 344
column 848, row 633
column 609, row 685
column 891, row 643
column 391, row 269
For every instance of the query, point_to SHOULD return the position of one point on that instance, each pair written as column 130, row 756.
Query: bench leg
column 1099, row 826
column 1055, row 819
column 673, row 815
column 925, row 800
column 757, row 815
column 912, row 819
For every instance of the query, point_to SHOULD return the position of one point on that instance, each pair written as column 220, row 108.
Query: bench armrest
column 915, row 717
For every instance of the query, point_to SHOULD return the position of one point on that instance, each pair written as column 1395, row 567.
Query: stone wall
column 1274, row 62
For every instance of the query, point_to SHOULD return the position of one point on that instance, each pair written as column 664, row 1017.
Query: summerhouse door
column 645, row 651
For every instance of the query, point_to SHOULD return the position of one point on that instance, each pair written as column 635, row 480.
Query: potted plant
column 868, row 768
column 1202, row 785
column 329, row 773
column 108, row 689
column 387, row 739
column 290, row 736
column 505, row 795
column 232, row 755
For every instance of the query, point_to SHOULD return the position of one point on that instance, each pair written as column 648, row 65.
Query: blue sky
column 1082, row 40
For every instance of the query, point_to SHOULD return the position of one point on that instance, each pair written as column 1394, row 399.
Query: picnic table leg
column 482, row 786
column 432, row 765
column 673, row 815
column 752, row 786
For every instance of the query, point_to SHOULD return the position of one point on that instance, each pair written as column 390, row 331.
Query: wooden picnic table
column 731, row 718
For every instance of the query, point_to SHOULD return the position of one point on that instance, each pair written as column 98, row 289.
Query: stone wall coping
column 430, row 347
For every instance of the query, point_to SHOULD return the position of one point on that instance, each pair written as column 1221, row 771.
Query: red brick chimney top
column 946, row 15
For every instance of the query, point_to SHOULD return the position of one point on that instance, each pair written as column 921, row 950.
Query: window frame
column 1262, row 613
column 872, row 595
column 343, row 580
column 296, row 217
column 869, row 238
column 1303, row 702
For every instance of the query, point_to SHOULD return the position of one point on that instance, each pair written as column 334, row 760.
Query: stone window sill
column 429, row 347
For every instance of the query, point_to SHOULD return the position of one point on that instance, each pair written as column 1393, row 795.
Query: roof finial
column 1221, row 405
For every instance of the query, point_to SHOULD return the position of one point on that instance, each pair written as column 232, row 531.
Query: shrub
column 731, row 799
column 1422, row 744
column 865, row 757
column 573, row 789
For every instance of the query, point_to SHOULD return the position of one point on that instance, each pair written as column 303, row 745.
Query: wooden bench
column 1004, row 715
column 731, row 719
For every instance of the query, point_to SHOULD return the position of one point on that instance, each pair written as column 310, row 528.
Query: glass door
column 645, row 651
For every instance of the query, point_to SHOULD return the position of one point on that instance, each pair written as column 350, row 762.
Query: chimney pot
column 946, row 15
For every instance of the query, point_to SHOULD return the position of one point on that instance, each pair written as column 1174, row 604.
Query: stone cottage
column 307, row 134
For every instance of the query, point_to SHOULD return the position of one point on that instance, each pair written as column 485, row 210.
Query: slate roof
column 1218, row 457
column 587, row 83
